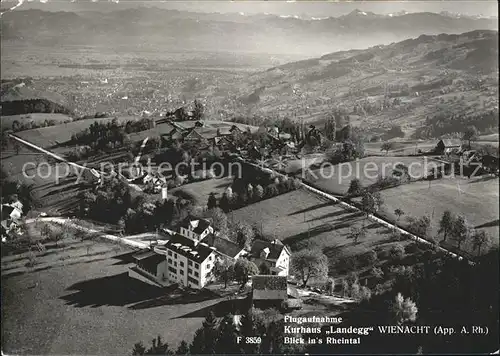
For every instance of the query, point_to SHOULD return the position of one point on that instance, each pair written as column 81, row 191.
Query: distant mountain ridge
column 229, row 31
column 397, row 84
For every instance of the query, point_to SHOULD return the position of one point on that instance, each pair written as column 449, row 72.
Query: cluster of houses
column 11, row 214
column 237, row 139
column 454, row 151
column 187, row 258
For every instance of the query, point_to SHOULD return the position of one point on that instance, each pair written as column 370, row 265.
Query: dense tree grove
column 220, row 336
column 112, row 202
column 445, row 123
column 435, row 291
column 111, row 134
column 22, row 107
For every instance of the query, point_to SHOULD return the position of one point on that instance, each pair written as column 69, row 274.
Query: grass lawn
column 299, row 216
column 476, row 198
column 53, row 135
column 336, row 179
column 55, row 195
column 199, row 191
column 400, row 147
column 95, row 308
column 38, row 118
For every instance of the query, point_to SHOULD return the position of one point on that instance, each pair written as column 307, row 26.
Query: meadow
column 37, row 118
column 300, row 218
column 200, row 191
column 476, row 199
column 76, row 308
column 47, row 137
column 336, row 179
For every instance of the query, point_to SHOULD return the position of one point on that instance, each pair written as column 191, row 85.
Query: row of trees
column 464, row 295
column 457, row 228
column 231, row 200
column 22, row 107
column 101, row 135
column 220, row 337
column 28, row 124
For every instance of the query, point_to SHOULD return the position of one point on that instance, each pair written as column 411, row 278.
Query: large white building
column 186, row 258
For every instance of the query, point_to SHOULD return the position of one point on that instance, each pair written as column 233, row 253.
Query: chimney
column 164, row 193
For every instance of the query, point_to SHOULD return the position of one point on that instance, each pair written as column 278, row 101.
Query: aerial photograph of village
column 236, row 177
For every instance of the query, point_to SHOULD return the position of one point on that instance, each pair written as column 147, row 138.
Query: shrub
column 369, row 258
column 412, row 248
column 397, row 252
column 383, row 254
column 377, row 272
column 347, row 264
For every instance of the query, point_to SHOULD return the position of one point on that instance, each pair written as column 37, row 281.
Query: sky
column 306, row 7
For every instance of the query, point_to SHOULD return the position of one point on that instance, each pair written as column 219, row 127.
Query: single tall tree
column 243, row 270
column 212, row 201
column 227, row 336
column 387, row 146
column 446, row 224
column 310, row 263
column 357, row 233
column 183, row 348
column 398, row 212
column 480, row 239
column 205, row 338
column 403, row 310
column 470, row 134
column 224, row 271
column 355, row 188
column 461, row 230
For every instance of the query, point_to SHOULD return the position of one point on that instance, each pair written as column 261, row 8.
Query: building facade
column 187, row 257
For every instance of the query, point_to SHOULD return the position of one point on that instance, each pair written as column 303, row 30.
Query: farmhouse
column 272, row 256
column 448, row 146
column 10, row 216
column 269, row 291
column 186, row 258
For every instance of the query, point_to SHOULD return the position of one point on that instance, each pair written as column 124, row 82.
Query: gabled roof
column 275, row 248
column 195, row 224
column 448, row 142
column 175, row 133
column 187, row 248
column 224, row 246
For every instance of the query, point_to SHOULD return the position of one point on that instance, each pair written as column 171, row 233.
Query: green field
column 400, row 148
column 300, row 216
column 476, row 199
column 94, row 308
column 55, row 196
column 336, row 179
column 54, row 135
column 38, row 118
column 199, row 191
